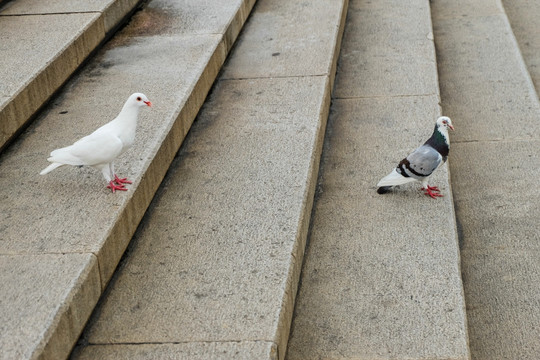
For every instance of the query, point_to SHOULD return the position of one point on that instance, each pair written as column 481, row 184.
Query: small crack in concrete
column 52, row 13
column 273, row 77
column 179, row 342
column 381, row 96
column 494, row 140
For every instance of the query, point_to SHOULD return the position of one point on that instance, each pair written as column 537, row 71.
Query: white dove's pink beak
column 148, row 103
column 450, row 126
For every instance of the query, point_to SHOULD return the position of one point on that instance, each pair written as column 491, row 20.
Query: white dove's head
column 445, row 122
column 138, row 99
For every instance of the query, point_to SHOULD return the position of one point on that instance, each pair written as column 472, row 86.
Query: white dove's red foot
column 121, row 181
column 432, row 191
column 114, row 187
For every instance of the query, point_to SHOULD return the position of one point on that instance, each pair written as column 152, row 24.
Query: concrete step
column 524, row 18
column 62, row 235
column 42, row 43
column 381, row 278
column 495, row 166
column 212, row 272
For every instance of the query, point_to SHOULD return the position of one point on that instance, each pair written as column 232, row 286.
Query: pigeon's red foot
column 432, row 191
column 121, row 181
column 114, row 187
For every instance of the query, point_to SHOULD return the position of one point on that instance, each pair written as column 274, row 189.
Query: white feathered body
column 395, row 178
column 102, row 147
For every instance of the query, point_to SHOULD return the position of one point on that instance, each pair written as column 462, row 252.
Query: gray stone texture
column 462, row 9
column 390, row 54
column 41, row 44
column 502, row 302
column 197, row 274
column 218, row 256
column 238, row 350
column 111, row 12
column 486, row 89
column 500, row 92
column 39, row 290
column 384, row 282
column 70, row 210
column 381, row 278
column 494, row 220
column 29, row 7
column 524, row 17
column 267, row 48
column 38, row 53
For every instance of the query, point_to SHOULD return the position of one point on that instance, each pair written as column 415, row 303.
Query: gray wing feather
column 424, row 160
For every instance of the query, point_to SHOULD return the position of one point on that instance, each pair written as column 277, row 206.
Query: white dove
column 422, row 162
column 103, row 146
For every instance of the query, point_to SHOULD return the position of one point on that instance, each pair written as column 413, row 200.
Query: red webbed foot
column 432, row 191
column 114, row 187
column 121, row 181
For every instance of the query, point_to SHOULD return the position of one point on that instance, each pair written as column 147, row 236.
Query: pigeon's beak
column 148, row 103
column 450, row 126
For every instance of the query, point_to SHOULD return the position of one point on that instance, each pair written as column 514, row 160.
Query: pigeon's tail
column 383, row 189
column 393, row 179
column 50, row 168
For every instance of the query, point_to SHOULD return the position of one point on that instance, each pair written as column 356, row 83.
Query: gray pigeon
column 421, row 163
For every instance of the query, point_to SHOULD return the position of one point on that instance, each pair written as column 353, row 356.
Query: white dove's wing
column 94, row 149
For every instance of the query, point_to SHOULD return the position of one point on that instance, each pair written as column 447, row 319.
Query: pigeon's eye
column 445, row 122
column 139, row 98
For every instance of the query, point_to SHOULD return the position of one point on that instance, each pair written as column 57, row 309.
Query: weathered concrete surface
column 70, row 210
column 505, row 223
column 267, row 48
column 29, row 81
column 524, row 17
column 218, row 256
column 29, row 7
column 503, row 89
column 502, row 325
column 197, row 274
column 111, row 12
column 183, row 62
column 244, row 350
column 495, row 166
column 36, row 290
column 390, row 68
column 381, row 278
column 39, row 50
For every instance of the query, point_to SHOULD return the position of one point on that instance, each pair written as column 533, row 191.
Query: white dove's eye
column 139, row 98
column 445, row 122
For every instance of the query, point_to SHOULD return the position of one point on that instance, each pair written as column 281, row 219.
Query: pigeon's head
column 445, row 122
column 139, row 99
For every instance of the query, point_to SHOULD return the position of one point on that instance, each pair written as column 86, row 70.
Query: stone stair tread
column 216, row 261
column 524, row 17
column 381, row 277
column 238, row 350
column 37, row 296
column 488, row 90
column 69, row 212
column 42, row 45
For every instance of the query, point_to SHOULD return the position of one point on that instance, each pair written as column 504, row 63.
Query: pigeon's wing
column 103, row 131
column 94, row 149
column 420, row 163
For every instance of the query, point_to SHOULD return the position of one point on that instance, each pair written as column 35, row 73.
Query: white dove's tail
column 394, row 178
column 50, row 168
